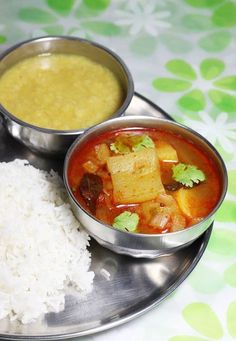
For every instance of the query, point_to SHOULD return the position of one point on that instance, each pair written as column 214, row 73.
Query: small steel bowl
column 137, row 244
column 50, row 141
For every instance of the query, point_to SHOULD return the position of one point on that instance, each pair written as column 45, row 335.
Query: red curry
column 165, row 181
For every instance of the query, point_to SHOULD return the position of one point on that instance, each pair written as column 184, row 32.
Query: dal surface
column 60, row 91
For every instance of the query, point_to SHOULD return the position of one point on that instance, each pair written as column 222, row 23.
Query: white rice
column 42, row 253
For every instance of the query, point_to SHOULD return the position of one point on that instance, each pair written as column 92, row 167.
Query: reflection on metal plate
column 124, row 287
column 142, row 106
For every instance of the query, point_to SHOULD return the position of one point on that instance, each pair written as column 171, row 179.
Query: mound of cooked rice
column 42, row 253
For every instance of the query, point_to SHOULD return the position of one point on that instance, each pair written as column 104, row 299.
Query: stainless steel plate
column 124, row 287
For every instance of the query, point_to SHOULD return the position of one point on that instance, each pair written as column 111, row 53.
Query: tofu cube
column 166, row 152
column 135, row 176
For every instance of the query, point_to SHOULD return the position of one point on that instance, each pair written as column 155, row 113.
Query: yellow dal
column 60, row 91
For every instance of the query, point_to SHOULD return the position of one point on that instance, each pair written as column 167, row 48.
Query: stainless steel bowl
column 143, row 245
column 51, row 141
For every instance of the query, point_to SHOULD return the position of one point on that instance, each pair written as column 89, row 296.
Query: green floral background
column 182, row 56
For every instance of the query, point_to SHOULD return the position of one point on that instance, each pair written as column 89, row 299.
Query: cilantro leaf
column 144, row 142
column 187, row 175
column 119, row 147
column 126, row 221
column 125, row 144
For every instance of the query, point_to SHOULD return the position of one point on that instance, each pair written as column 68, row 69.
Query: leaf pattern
column 211, row 68
column 171, row 84
column 62, row 7
column 196, row 315
column 181, row 69
column 215, row 42
column 105, row 28
column 36, row 15
column 223, row 243
column 225, row 16
column 193, row 100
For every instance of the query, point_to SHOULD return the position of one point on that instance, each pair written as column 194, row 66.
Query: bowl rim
column 154, row 119
column 117, row 58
